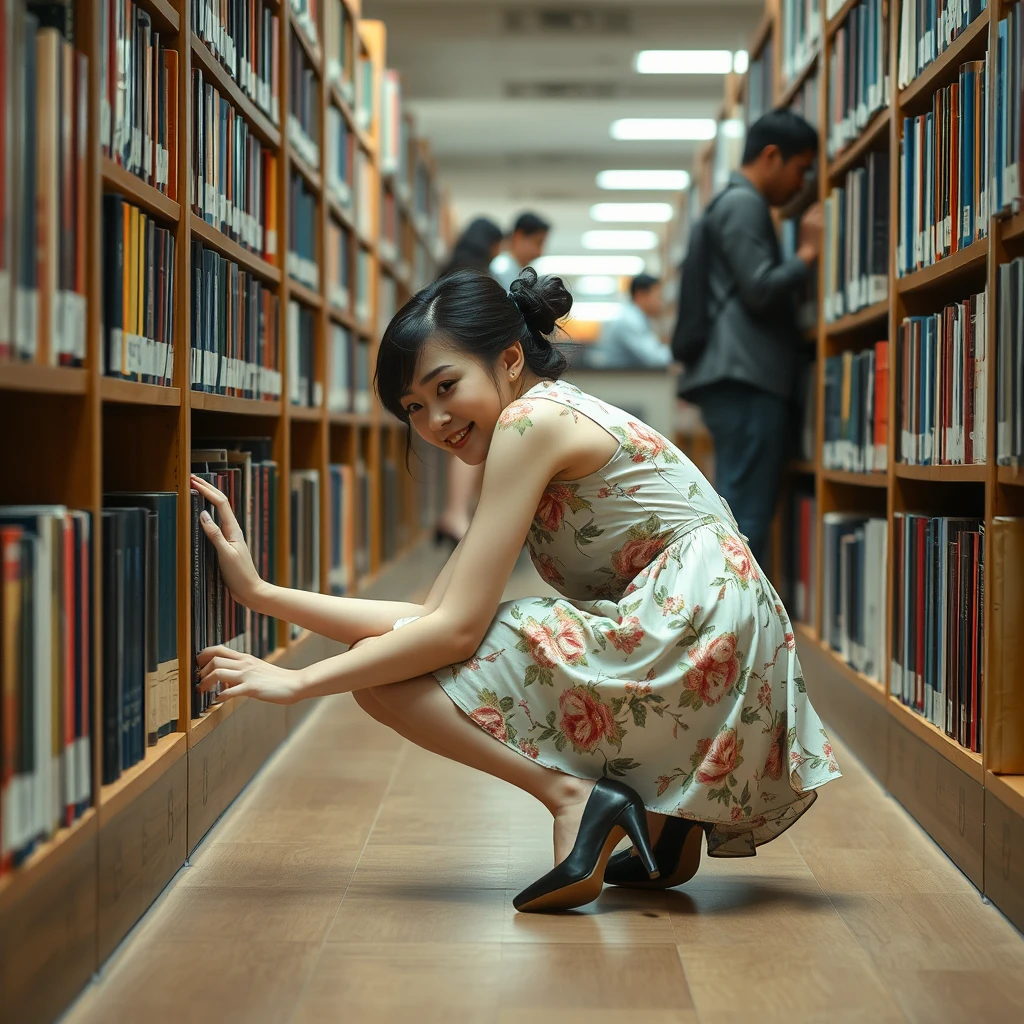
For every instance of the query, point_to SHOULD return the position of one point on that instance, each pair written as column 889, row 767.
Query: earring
column 512, row 375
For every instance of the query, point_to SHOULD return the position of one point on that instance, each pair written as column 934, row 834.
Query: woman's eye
column 445, row 386
column 411, row 408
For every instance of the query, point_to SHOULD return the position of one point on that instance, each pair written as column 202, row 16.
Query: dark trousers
column 751, row 433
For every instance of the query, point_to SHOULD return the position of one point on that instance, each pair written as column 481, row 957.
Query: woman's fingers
column 229, row 525
column 225, row 676
column 219, row 665
column 218, row 651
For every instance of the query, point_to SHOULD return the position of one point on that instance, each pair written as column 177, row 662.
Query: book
column 928, row 30
column 339, row 43
column 1010, row 364
column 856, row 411
column 303, row 387
column 800, row 24
column 303, row 103
column 301, row 259
column 1007, row 145
column 304, row 550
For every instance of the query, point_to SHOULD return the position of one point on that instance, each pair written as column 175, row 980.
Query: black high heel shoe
column 676, row 853
column 613, row 811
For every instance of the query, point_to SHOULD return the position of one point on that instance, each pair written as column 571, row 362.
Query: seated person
column 629, row 341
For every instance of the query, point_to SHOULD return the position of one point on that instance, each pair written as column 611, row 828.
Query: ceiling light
column 684, row 62
column 596, row 284
column 594, row 312
column 740, row 62
column 636, row 213
column 572, row 266
column 732, row 128
column 619, row 240
column 644, row 181
column 663, row 128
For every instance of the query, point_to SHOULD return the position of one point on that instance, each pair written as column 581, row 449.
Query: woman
column 669, row 664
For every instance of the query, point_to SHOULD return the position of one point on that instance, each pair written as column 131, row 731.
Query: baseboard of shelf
column 56, row 380
column 158, row 760
column 966, row 760
column 1004, row 840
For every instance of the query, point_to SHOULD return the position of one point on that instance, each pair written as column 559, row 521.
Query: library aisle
column 359, row 878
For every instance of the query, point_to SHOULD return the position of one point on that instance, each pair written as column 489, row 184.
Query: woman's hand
column 240, row 575
column 243, row 675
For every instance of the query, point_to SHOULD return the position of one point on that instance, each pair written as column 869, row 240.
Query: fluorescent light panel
column 639, row 240
column 644, row 181
column 632, row 129
column 594, row 312
column 684, row 62
column 596, row 284
column 632, row 213
column 572, row 266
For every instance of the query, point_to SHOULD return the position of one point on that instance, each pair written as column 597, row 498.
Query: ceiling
column 517, row 98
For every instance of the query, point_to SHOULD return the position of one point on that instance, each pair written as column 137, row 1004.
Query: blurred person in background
column 525, row 244
column 629, row 341
column 737, row 333
column 476, row 249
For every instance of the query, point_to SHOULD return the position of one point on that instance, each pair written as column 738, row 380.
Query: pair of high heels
column 615, row 810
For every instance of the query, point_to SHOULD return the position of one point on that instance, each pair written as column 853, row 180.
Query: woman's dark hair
column 473, row 249
column 474, row 314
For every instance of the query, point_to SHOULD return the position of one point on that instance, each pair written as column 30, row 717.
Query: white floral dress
column 669, row 663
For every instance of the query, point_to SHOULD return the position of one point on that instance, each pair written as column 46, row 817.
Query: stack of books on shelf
column 801, row 32
column 858, row 72
column 361, row 306
column 303, row 387
column 44, row 122
column 306, row 17
column 339, row 261
column 244, row 470
column 234, row 329
column 243, row 35
column 805, row 99
column 140, row 625
column 340, row 157
column 856, row 246
column 364, row 89
column 342, row 535
column 760, row 83
column 362, row 188
column 928, row 30
column 1010, row 365
column 938, row 622
column 857, row 411
column 138, row 294
column 389, row 508
column 303, row 106
column 944, row 173
column 394, row 140
column 339, row 389
column 1007, row 148
column 46, row 669
column 301, row 258
column 853, row 575
column 339, row 41
column 387, row 239
column 235, row 175
column 942, row 362
column 801, row 550
column 304, row 549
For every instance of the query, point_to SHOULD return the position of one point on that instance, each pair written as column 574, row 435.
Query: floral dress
column 669, row 662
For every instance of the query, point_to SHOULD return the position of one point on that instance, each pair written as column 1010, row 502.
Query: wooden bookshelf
column 66, row 908
column 974, row 814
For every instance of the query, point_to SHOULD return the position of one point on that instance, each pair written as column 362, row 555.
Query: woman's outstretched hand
column 243, row 675
column 236, row 568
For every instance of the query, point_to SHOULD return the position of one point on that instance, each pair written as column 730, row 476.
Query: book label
column 5, row 309
column 76, row 306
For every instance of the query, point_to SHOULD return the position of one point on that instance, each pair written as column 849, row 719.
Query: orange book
column 269, row 206
column 171, row 68
column 881, row 404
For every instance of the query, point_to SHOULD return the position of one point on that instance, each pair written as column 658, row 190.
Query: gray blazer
column 754, row 337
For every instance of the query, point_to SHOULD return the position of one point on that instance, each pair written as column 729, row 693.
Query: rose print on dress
column 776, row 760
column 738, row 559
column 645, row 542
column 548, row 570
column 643, row 444
column 516, row 416
column 626, row 636
column 560, row 639
column 714, row 671
column 495, row 714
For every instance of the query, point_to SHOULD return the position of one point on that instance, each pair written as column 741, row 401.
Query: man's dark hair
column 530, row 224
column 642, row 283
column 783, row 128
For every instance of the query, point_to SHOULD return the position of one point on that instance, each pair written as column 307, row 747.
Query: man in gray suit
column 745, row 380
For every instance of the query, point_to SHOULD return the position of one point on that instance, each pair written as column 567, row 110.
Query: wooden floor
column 360, row 879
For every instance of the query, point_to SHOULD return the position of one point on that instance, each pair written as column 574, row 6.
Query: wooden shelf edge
column 343, row 216
column 967, row 761
column 200, row 728
column 165, row 14
column 1013, row 228
column 761, row 34
column 241, row 406
column 113, row 389
column 1010, row 476
column 793, row 87
column 306, row 413
column 313, row 50
column 855, row 321
column 835, row 23
column 1007, row 789
column 116, row 796
column 134, row 188
column 216, row 239
column 311, row 175
column 350, row 419
column 843, row 476
column 56, row 380
column 942, row 473
column 37, row 868
column 341, row 316
column 305, row 294
column 867, row 686
column 933, row 76
column 268, row 132
column 853, row 151
column 962, row 262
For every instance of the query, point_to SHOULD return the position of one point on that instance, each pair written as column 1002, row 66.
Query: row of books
column 350, row 385
column 139, row 97
column 387, row 301
column 1007, row 144
column 858, row 72
column 927, row 29
column 45, row 674
column 138, row 294
column 339, row 42
column 234, row 329
column 339, row 261
column 303, row 387
column 339, row 157
column 941, row 391
column 388, row 238
column 361, row 300
column 800, row 554
column 234, row 186
column 1010, row 364
column 857, row 411
column 394, row 132
column 853, row 561
column 805, row 100
column 350, row 497
column 760, row 94
column 938, row 636
column 245, row 471
column 307, row 18
column 303, row 105
column 800, row 25
column 43, row 202
column 301, row 259
column 244, row 36
column 304, row 550
column 944, row 173
column 856, row 248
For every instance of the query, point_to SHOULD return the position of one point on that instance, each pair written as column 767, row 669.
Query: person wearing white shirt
column 525, row 244
column 629, row 341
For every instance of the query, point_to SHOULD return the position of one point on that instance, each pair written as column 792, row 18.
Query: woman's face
column 454, row 403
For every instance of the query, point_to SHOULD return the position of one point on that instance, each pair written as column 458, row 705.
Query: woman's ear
column 513, row 361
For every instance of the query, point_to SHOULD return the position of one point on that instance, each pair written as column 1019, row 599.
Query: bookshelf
column 66, row 906
column 970, row 801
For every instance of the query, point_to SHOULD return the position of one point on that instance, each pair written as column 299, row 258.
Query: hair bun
column 543, row 301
